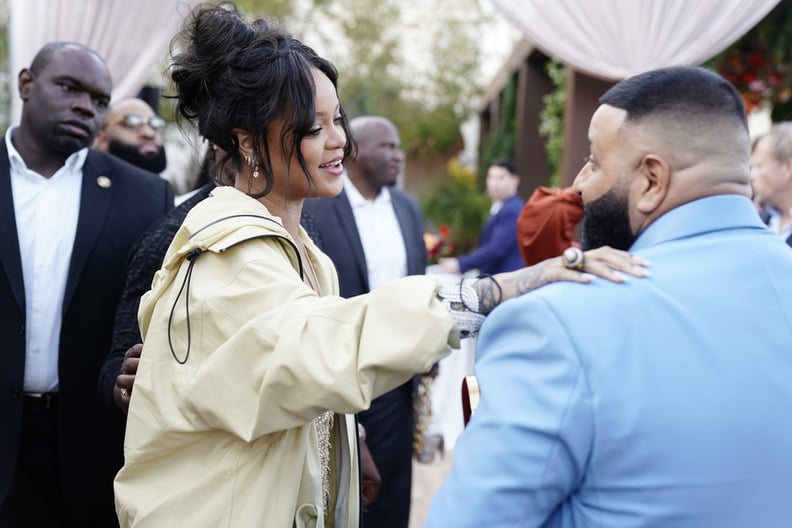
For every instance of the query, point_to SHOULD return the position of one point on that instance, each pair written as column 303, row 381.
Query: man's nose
column 147, row 131
column 84, row 104
column 580, row 178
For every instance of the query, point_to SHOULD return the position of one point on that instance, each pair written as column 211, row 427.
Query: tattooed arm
column 472, row 299
column 603, row 262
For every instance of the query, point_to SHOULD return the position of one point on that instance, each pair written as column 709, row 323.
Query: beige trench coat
column 220, row 431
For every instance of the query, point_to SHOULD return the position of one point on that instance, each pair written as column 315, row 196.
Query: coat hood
column 227, row 217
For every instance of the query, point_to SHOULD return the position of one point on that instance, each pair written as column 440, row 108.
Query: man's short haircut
column 505, row 163
column 780, row 139
column 679, row 93
column 47, row 52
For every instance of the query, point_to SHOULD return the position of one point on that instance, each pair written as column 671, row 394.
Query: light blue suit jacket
column 662, row 402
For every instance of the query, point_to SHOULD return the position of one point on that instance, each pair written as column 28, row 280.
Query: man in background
column 497, row 250
column 771, row 178
column 69, row 216
column 133, row 132
column 374, row 233
column 657, row 402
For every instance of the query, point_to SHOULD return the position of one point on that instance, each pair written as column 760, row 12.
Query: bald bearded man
column 652, row 403
column 133, row 132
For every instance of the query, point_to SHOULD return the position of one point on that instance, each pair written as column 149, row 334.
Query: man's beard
column 606, row 222
column 155, row 163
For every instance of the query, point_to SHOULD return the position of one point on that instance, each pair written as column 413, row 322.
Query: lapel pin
column 104, row 182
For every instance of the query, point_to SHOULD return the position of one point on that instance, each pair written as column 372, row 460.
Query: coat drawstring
column 191, row 256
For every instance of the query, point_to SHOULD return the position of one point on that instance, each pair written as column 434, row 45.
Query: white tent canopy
column 132, row 37
column 613, row 39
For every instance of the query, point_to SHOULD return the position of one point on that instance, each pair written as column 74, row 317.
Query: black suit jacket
column 389, row 421
column 337, row 235
column 110, row 219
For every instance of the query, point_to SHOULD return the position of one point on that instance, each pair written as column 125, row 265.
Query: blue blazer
column 765, row 216
column 110, row 219
column 498, row 250
column 661, row 402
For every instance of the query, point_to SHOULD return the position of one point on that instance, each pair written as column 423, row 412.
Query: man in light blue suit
column 662, row 402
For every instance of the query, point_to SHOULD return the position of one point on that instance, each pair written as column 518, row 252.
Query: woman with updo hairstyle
column 242, row 410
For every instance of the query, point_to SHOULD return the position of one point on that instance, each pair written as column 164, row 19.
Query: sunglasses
column 135, row 122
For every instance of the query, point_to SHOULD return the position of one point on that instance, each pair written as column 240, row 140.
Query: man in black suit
column 374, row 233
column 69, row 217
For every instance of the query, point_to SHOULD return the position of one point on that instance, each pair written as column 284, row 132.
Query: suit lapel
column 10, row 258
column 95, row 201
column 347, row 220
column 405, row 219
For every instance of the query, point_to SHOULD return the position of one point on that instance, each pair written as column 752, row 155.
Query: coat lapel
column 10, row 258
column 97, row 192
column 347, row 221
column 405, row 219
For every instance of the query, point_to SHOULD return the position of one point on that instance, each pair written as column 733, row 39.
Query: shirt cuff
column 462, row 302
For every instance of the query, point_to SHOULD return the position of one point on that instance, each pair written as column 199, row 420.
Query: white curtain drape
column 131, row 35
column 613, row 39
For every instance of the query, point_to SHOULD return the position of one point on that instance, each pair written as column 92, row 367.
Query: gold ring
column 573, row 258
column 124, row 393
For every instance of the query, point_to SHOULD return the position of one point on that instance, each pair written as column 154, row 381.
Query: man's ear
column 787, row 165
column 26, row 80
column 654, row 180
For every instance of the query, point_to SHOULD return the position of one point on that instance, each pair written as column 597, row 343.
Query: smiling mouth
column 331, row 165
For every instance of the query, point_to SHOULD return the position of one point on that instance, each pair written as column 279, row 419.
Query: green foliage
column 782, row 112
column 759, row 63
column 457, row 203
column 551, row 126
column 281, row 10
column 375, row 78
column 500, row 143
column 774, row 32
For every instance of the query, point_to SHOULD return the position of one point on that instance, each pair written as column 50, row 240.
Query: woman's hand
column 605, row 262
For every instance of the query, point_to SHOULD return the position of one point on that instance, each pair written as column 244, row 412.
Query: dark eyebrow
column 79, row 84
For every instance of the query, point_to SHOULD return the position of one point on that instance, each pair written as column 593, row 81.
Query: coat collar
column 346, row 218
column 714, row 213
column 98, row 188
column 9, row 250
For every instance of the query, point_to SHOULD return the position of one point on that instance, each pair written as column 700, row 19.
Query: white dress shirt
column 774, row 223
column 380, row 234
column 46, row 212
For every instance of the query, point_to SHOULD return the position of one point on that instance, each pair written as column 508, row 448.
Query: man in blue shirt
column 657, row 402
